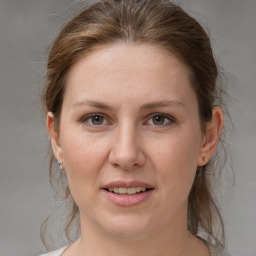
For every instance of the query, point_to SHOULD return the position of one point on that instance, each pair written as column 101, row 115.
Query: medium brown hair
column 160, row 23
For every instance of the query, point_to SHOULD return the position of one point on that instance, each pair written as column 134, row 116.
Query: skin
column 127, row 143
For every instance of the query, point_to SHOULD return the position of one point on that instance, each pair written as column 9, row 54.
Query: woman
column 132, row 114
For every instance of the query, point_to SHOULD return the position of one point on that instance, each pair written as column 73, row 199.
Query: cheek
column 84, row 157
column 176, row 163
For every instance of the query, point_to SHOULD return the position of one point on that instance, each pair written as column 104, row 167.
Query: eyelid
column 86, row 117
column 107, row 118
column 169, row 117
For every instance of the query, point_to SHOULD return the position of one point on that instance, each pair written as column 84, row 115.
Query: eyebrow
column 165, row 103
column 93, row 103
column 147, row 106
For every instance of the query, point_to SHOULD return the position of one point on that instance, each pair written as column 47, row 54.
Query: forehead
column 126, row 56
column 126, row 70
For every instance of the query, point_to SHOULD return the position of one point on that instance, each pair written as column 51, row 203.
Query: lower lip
column 127, row 200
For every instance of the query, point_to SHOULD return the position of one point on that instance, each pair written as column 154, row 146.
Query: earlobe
column 54, row 136
column 211, row 137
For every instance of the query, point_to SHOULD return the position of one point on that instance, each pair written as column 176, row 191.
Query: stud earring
column 60, row 163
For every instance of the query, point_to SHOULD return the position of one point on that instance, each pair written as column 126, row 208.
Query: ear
column 54, row 136
column 211, row 136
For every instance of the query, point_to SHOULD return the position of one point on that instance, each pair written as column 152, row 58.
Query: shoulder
column 55, row 253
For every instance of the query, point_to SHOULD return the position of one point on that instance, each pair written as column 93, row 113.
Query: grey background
column 27, row 28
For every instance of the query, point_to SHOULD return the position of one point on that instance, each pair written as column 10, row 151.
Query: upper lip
column 127, row 184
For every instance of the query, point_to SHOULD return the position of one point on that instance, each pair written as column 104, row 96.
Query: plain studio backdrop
column 27, row 28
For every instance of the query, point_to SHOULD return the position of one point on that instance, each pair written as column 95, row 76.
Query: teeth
column 129, row 191
column 122, row 190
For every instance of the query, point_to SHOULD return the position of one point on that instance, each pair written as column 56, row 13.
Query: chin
column 129, row 229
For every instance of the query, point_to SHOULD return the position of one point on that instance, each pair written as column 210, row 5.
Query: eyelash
column 162, row 115
column 85, row 119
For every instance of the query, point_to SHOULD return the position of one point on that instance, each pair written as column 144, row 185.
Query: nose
column 126, row 151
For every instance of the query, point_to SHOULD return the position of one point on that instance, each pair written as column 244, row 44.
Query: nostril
column 126, row 157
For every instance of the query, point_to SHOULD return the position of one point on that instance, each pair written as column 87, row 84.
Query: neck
column 168, row 241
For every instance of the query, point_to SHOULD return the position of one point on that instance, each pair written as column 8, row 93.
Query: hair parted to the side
column 160, row 23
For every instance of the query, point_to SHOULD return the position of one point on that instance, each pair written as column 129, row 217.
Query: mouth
column 127, row 191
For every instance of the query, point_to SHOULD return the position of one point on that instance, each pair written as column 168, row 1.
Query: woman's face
column 130, row 123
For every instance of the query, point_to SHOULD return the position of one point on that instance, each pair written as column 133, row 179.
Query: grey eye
column 97, row 120
column 159, row 120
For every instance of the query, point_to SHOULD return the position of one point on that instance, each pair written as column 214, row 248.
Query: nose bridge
column 126, row 151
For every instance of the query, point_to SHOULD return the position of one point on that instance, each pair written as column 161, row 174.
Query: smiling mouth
column 127, row 191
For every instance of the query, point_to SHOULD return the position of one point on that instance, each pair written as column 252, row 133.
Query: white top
column 214, row 252
column 55, row 253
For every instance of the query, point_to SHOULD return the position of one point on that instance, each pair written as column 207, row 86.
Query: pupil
column 97, row 120
column 158, row 120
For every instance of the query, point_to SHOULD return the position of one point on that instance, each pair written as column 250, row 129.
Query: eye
column 95, row 120
column 160, row 119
